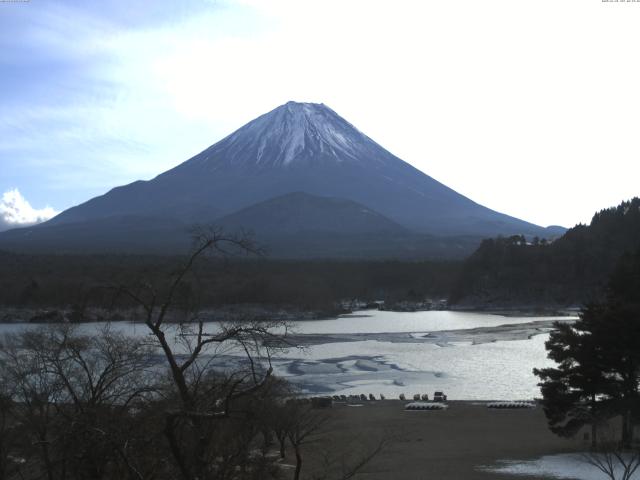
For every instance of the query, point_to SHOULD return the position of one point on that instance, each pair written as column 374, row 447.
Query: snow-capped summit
column 299, row 134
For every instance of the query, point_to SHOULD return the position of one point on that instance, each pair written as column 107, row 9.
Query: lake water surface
column 468, row 355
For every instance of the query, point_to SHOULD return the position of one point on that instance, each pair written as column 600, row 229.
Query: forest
column 504, row 272
column 572, row 270
column 77, row 282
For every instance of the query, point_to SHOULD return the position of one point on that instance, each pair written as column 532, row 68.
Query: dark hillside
column 508, row 271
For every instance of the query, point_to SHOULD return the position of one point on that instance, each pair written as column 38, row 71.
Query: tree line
column 571, row 270
column 76, row 282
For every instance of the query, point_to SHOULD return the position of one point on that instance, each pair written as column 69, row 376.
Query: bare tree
column 614, row 462
column 310, row 433
column 203, row 400
column 102, row 406
column 8, row 435
column 73, row 395
column 612, row 458
column 36, row 391
column 304, row 423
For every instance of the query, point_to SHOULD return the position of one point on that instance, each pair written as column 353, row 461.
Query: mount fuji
column 298, row 172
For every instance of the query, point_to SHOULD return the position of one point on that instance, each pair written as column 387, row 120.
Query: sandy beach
column 451, row 444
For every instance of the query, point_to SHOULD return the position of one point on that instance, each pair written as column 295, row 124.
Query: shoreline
column 475, row 336
column 523, row 312
column 283, row 313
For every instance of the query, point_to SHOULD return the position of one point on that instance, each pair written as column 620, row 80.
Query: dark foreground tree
column 206, row 405
column 598, row 358
column 573, row 391
column 72, row 398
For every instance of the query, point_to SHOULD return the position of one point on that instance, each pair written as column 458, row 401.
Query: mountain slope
column 298, row 213
column 118, row 233
column 299, row 225
column 301, row 147
column 295, row 226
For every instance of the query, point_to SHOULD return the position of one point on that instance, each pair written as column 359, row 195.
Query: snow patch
column 292, row 132
column 567, row 466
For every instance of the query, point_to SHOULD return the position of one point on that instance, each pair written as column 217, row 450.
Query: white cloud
column 16, row 211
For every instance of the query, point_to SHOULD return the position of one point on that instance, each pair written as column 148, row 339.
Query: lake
column 470, row 356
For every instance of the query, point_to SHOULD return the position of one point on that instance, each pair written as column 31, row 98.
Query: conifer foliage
column 598, row 356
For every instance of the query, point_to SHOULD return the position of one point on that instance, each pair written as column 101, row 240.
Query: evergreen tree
column 619, row 329
column 598, row 372
column 570, row 270
column 573, row 392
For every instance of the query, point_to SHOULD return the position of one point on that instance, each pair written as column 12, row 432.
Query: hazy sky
column 529, row 107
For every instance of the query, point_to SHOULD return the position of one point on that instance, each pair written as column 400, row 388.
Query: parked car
column 321, row 402
column 439, row 397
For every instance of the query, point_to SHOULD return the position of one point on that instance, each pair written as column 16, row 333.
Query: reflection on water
column 567, row 466
column 374, row 321
column 498, row 369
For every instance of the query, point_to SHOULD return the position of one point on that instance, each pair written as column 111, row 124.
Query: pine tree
column 598, row 357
